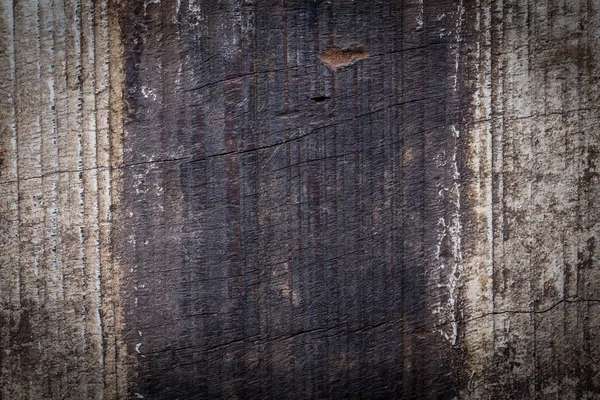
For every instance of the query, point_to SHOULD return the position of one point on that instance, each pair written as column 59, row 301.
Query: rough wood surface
column 532, row 274
column 58, row 325
column 273, row 199
column 289, row 165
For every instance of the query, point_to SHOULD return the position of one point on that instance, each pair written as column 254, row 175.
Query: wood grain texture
column 293, row 199
column 532, row 282
column 57, row 282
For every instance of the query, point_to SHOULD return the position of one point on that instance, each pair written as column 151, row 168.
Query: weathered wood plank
column 296, row 199
column 300, row 261
column 529, row 297
column 55, row 149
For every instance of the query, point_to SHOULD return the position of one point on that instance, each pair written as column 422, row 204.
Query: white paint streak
column 452, row 230
column 458, row 39
column 420, row 16
column 178, row 7
column 149, row 93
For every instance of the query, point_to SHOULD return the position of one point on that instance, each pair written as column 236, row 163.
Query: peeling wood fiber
column 290, row 199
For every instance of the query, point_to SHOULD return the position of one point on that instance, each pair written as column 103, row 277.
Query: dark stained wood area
column 284, row 167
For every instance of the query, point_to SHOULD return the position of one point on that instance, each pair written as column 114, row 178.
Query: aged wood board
column 299, row 199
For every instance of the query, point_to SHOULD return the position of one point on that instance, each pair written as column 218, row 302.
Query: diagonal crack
column 569, row 300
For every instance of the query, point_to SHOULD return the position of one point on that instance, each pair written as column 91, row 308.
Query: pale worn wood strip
column 50, row 280
column 8, row 136
column 540, row 326
column 91, row 232
column 112, row 271
column 479, row 224
column 101, row 99
column 51, row 246
column 9, row 205
column 27, row 85
column 64, row 244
